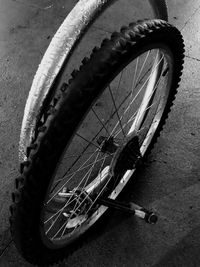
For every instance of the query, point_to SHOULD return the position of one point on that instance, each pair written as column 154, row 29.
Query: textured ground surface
column 170, row 181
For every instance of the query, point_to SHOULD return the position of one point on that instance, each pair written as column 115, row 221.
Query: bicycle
column 89, row 131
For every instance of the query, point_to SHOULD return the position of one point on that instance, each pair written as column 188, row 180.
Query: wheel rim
column 89, row 161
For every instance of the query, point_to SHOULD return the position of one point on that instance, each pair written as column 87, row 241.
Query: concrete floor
column 170, row 181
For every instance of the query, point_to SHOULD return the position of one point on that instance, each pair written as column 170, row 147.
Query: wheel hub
column 108, row 145
column 128, row 156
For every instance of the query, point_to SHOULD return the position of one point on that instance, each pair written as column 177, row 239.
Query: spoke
column 74, row 156
column 125, row 124
column 90, row 142
column 135, row 73
column 60, row 229
column 77, row 201
column 133, row 82
column 88, row 174
column 152, row 73
column 66, row 204
column 116, row 110
column 139, row 92
column 100, row 131
column 100, row 171
column 78, row 205
column 130, row 102
column 102, row 165
column 112, row 115
column 135, row 114
column 132, row 118
column 72, row 175
column 143, row 65
column 92, row 168
column 70, row 198
column 51, row 217
column 60, row 211
column 148, row 131
column 99, row 193
column 80, row 169
column 147, row 99
column 136, row 84
column 120, row 79
column 79, row 156
column 65, row 224
column 86, row 180
column 77, row 159
column 129, row 106
column 100, row 121
column 58, row 215
column 95, row 137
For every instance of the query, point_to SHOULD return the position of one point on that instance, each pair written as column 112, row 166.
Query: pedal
column 149, row 216
column 140, row 212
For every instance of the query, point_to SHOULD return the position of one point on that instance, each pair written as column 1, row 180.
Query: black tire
column 64, row 116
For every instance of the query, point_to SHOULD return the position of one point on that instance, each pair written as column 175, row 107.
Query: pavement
column 170, row 182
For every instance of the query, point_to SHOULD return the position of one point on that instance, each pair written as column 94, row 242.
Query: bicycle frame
column 58, row 53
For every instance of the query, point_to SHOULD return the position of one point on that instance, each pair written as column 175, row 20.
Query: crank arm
column 149, row 216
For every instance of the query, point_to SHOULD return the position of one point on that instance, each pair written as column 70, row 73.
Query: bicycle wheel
column 70, row 44
column 92, row 138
